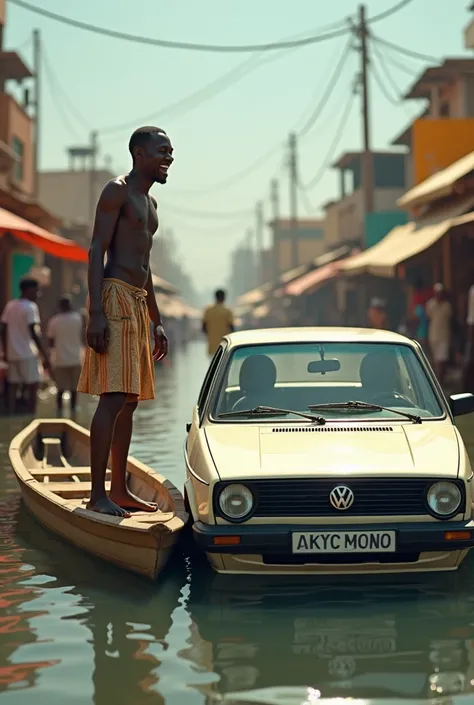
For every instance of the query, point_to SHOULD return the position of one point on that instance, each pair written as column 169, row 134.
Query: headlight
column 236, row 501
column 444, row 498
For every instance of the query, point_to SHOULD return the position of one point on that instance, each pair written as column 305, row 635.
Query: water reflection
column 380, row 640
column 121, row 622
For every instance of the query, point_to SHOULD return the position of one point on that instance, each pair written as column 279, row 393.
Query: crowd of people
column 29, row 355
column 433, row 323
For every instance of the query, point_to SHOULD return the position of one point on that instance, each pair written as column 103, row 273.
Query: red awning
column 54, row 245
column 312, row 280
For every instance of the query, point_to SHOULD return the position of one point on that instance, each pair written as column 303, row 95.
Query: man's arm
column 35, row 333
column 231, row 321
column 151, row 302
column 107, row 214
column 4, row 340
column 160, row 349
column 470, row 325
column 50, row 333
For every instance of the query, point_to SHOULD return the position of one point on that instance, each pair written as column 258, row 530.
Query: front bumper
column 419, row 548
column 276, row 539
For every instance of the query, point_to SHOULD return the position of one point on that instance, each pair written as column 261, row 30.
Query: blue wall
column 377, row 225
column 389, row 171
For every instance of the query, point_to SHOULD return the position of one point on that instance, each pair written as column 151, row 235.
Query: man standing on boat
column 118, row 365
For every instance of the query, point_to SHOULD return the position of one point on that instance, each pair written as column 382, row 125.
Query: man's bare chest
column 140, row 214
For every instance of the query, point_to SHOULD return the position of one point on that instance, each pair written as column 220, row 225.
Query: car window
column 208, row 379
column 294, row 376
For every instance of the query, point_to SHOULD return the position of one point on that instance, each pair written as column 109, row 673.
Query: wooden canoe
column 50, row 458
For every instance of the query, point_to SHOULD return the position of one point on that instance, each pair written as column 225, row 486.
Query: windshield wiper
column 362, row 405
column 271, row 411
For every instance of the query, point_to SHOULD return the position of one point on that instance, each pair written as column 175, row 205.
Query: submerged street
column 76, row 631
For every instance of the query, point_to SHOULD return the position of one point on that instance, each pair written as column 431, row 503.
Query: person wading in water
column 118, row 364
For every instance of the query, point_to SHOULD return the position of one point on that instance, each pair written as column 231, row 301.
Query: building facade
column 345, row 221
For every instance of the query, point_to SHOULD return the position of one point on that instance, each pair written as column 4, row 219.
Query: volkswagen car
column 327, row 450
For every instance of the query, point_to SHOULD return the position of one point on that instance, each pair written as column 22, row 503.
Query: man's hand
column 98, row 333
column 48, row 368
column 160, row 350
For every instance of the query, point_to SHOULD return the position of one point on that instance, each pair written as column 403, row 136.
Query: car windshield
column 301, row 376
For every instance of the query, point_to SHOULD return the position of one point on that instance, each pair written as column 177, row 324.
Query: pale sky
column 111, row 82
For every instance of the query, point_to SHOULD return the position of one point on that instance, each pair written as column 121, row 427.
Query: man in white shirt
column 66, row 336
column 21, row 344
column 468, row 385
column 440, row 313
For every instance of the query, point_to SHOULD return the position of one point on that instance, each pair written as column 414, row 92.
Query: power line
column 383, row 52
column 210, row 90
column 56, row 101
column 334, row 144
column 235, row 215
column 378, row 80
column 54, row 81
column 272, row 46
column 104, row 31
column 408, row 52
column 386, row 71
column 216, row 86
column 328, row 92
column 390, row 11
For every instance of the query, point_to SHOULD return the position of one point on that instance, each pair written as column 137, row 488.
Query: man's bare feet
column 106, row 506
column 128, row 500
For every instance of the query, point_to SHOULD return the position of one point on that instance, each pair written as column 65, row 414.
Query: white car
column 327, row 450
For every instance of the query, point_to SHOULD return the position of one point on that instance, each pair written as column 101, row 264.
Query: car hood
column 285, row 450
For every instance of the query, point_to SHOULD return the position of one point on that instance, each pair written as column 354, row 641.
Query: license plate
column 344, row 542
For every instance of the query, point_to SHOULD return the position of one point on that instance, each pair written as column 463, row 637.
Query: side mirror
column 461, row 404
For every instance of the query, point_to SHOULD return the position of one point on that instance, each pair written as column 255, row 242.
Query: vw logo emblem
column 341, row 497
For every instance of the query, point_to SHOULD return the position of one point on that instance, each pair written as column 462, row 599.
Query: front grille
column 310, row 497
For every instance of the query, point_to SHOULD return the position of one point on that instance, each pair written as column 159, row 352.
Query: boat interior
column 57, row 455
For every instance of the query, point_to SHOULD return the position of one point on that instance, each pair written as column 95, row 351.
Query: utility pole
column 367, row 163
column 293, row 167
column 259, row 241
column 275, row 201
column 37, row 105
column 92, row 176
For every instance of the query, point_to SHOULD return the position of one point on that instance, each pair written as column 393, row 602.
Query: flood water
column 74, row 631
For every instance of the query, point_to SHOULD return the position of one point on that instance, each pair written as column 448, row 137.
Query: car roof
column 264, row 336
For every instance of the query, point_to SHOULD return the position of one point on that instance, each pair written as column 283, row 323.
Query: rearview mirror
column 323, row 366
column 461, row 404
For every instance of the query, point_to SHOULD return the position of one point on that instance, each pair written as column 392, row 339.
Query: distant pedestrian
column 468, row 381
column 66, row 336
column 377, row 315
column 440, row 313
column 421, row 325
column 22, row 344
column 218, row 321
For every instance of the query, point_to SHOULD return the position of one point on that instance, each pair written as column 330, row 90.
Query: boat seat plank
column 67, row 488
column 62, row 472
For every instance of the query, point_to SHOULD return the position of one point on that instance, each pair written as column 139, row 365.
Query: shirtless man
column 119, row 362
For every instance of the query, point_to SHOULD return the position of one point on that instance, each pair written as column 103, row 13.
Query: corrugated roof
column 439, row 184
column 400, row 245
